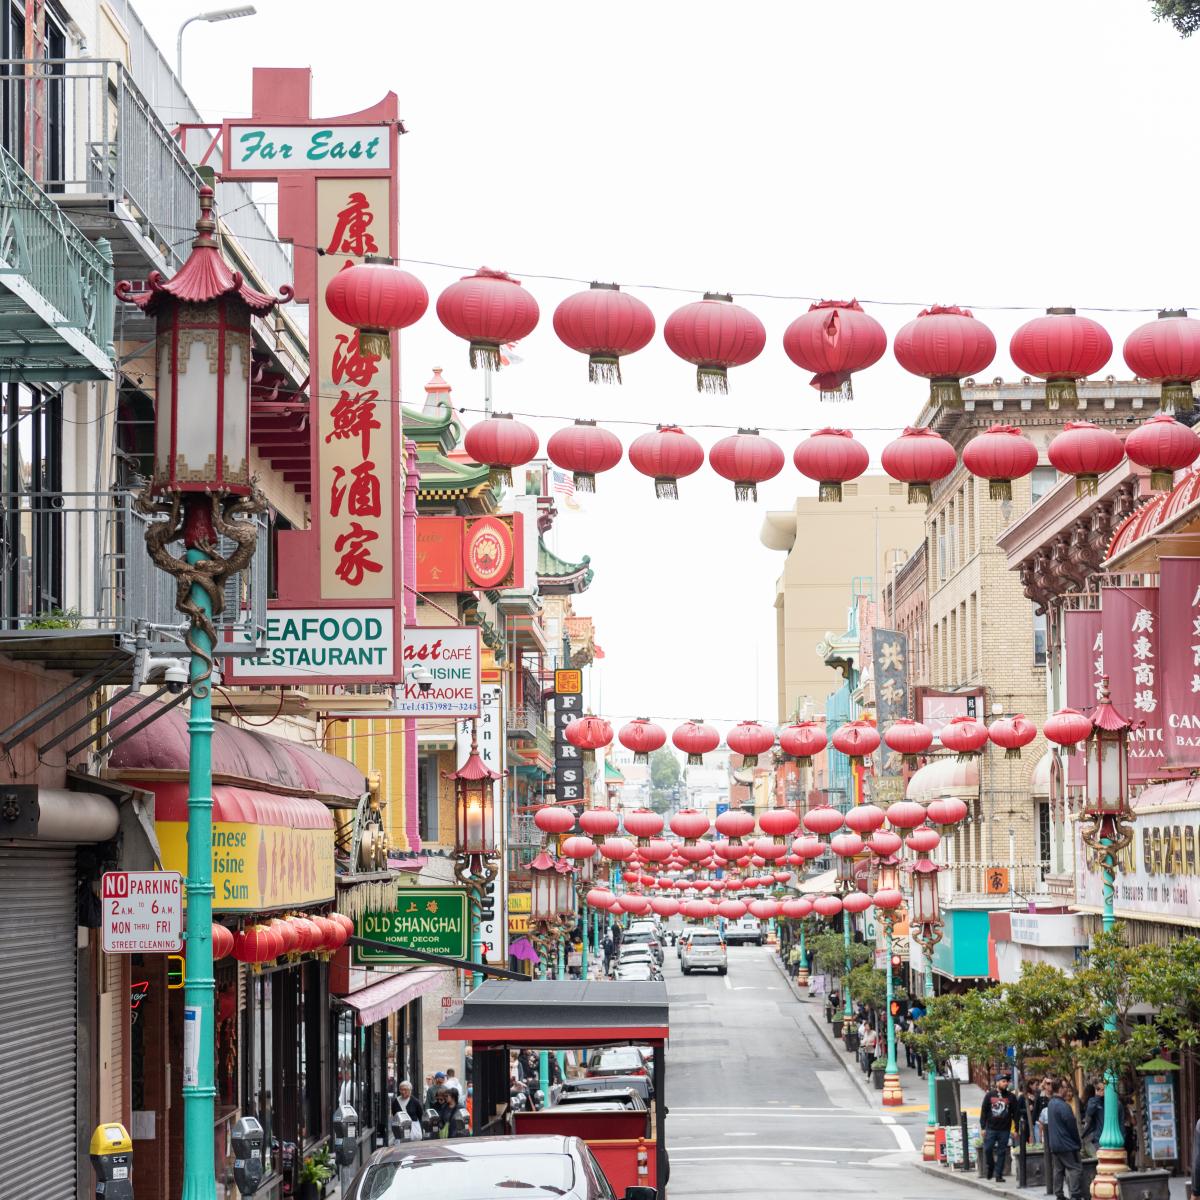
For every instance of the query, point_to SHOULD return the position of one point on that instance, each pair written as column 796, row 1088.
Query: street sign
column 142, row 912
column 430, row 919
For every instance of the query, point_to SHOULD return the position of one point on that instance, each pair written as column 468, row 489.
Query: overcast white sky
column 1025, row 153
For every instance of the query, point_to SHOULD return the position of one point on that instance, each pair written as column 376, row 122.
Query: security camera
column 421, row 676
column 176, row 676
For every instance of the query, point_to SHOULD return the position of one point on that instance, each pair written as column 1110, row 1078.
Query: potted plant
column 877, row 1068
column 315, row 1172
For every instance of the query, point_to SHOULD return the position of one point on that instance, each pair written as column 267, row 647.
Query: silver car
column 704, row 951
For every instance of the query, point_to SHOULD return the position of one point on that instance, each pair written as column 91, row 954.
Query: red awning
column 236, row 805
column 240, row 757
column 372, row 1003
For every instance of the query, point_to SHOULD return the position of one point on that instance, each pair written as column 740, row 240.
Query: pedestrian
column 453, row 1084
column 406, row 1112
column 870, row 1045
column 445, row 1105
column 1093, row 1116
column 438, row 1084
column 997, row 1116
column 607, row 946
column 1062, row 1136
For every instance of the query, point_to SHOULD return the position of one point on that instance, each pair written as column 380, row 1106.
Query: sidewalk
column 916, row 1093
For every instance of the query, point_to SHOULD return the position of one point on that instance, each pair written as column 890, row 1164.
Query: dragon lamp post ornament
column 201, row 485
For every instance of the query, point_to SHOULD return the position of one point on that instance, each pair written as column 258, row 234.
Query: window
column 1039, row 638
column 279, row 524
column 1043, row 479
column 427, row 797
column 1044, row 842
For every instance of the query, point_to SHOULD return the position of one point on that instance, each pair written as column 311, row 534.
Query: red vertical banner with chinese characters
column 1085, row 668
column 1129, row 623
column 1179, row 614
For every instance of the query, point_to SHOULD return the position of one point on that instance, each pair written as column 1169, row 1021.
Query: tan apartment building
column 828, row 547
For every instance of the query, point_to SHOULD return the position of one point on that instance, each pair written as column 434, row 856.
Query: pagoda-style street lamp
column 846, row 883
column 1108, row 815
column 552, row 890
column 201, row 487
column 887, row 899
column 475, row 850
column 925, row 926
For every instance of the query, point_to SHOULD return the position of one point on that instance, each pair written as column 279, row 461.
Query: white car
column 744, row 929
column 704, row 951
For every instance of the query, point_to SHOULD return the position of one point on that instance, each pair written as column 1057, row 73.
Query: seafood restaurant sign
column 320, row 645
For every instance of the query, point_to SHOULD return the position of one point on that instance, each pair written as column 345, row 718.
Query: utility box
column 949, row 1110
column 1145, row 1185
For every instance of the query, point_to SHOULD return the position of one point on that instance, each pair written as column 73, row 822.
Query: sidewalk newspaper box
column 247, row 1139
column 111, row 1152
column 345, row 1134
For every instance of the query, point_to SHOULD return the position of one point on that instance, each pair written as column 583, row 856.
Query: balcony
column 56, row 289
column 75, row 572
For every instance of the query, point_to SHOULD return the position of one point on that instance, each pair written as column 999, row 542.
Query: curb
column 971, row 1179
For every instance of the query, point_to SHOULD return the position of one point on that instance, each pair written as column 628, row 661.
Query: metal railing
column 79, row 560
column 40, row 245
column 98, row 136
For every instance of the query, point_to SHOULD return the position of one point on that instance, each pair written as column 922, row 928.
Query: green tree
column 1183, row 14
column 665, row 775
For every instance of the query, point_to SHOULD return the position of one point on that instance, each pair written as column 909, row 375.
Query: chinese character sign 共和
column 889, row 652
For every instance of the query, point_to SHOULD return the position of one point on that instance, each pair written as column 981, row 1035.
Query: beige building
column 829, row 547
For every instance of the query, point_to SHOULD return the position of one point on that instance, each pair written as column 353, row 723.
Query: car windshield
column 636, row 952
column 705, row 939
column 448, row 1175
column 638, row 935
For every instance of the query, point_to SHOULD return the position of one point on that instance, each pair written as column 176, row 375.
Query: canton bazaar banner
column 1129, row 624
column 1179, row 615
column 1085, row 668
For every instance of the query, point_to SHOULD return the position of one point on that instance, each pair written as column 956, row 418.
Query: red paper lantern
column 696, row 853
column 588, row 734
column 856, row 902
column 944, row 345
column 617, row 849
column 714, row 334
column 222, row 941
column 908, row 738
column 585, row 450
column 641, row 823
column 888, row 899
column 643, row 737
column 779, row 823
column 846, row 845
column 808, row 847
column 333, row 936
column 858, row 740
column 1164, row 446
column 310, row 937
column 822, row 819
column 1167, row 351
column 1061, row 348
column 747, row 459
column 376, row 297
column 802, row 740
column 255, row 944
column 286, row 932
column 689, row 824
column 966, row 736
column 488, row 309
column 599, row 822
column 637, row 905
column 923, row 840
column 864, row 818
column 666, row 455
column 731, row 909
column 664, row 906
column 1000, row 455
column 735, row 823
column 750, row 739
column 579, row 847
column 905, row 814
column 828, row 906
column 1086, row 451
column 919, row 457
column 501, row 443
column 883, row 842
column 831, row 457
column 834, row 339
column 797, row 908
column 552, row 819
column 766, row 850
column 764, row 910
column 950, row 810
column 1011, row 733
column 1067, row 727
column 657, row 850
column 696, row 740
column 600, row 898
column 604, row 323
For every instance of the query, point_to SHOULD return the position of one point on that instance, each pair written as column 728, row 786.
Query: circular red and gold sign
column 489, row 552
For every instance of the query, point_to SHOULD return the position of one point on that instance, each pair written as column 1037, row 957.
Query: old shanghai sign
column 450, row 653
column 429, row 919
column 320, row 645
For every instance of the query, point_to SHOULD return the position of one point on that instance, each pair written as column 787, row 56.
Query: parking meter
column 111, row 1152
column 345, row 1134
column 247, row 1140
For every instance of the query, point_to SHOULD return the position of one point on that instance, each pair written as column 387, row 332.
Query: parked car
column 744, row 929
column 620, row 1060
column 641, row 969
column 644, row 936
column 638, row 1084
column 687, row 934
column 626, row 1098
column 705, row 951
column 534, row 1166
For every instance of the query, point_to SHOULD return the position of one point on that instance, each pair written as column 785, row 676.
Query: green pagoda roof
column 560, row 577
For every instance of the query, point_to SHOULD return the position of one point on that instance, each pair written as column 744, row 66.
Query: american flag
column 564, row 482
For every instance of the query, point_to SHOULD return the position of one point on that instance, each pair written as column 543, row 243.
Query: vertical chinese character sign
column 568, row 764
column 1084, row 640
column 889, row 653
column 1129, row 625
column 1179, row 613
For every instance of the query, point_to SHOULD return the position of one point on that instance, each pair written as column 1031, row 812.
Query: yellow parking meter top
column 112, row 1138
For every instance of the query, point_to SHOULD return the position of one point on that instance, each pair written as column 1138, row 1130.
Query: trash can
column 948, row 1106
column 1144, row 1185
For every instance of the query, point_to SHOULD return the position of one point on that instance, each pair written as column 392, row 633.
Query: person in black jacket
column 997, row 1115
column 405, row 1107
column 1062, row 1135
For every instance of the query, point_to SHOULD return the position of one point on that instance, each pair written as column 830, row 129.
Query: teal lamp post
column 201, row 489
column 1106, row 819
column 845, row 885
column 888, row 898
column 925, row 922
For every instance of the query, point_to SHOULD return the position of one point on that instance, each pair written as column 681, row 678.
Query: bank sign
column 429, row 919
column 321, row 645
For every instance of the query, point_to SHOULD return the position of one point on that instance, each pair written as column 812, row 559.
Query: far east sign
column 429, row 919
column 142, row 912
column 277, row 149
column 451, row 655
column 321, row 645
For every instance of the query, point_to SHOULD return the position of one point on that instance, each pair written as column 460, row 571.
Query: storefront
column 1056, row 938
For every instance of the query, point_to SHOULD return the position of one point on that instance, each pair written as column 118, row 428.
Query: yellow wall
column 377, row 745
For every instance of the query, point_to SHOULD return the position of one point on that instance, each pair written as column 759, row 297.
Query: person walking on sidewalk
column 868, row 1047
column 1062, row 1135
column 997, row 1115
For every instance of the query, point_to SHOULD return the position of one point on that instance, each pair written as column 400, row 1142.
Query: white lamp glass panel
column 1110, row 774
column 196, row 412
column 237, row 406
column 162, row 411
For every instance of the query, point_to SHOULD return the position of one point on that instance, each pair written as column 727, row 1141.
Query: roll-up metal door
column 37, row 1022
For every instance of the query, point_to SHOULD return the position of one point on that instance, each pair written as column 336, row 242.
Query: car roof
column 599, row 1093
column 479, row 1147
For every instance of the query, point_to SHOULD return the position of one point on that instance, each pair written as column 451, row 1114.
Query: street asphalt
column 760, row 1106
